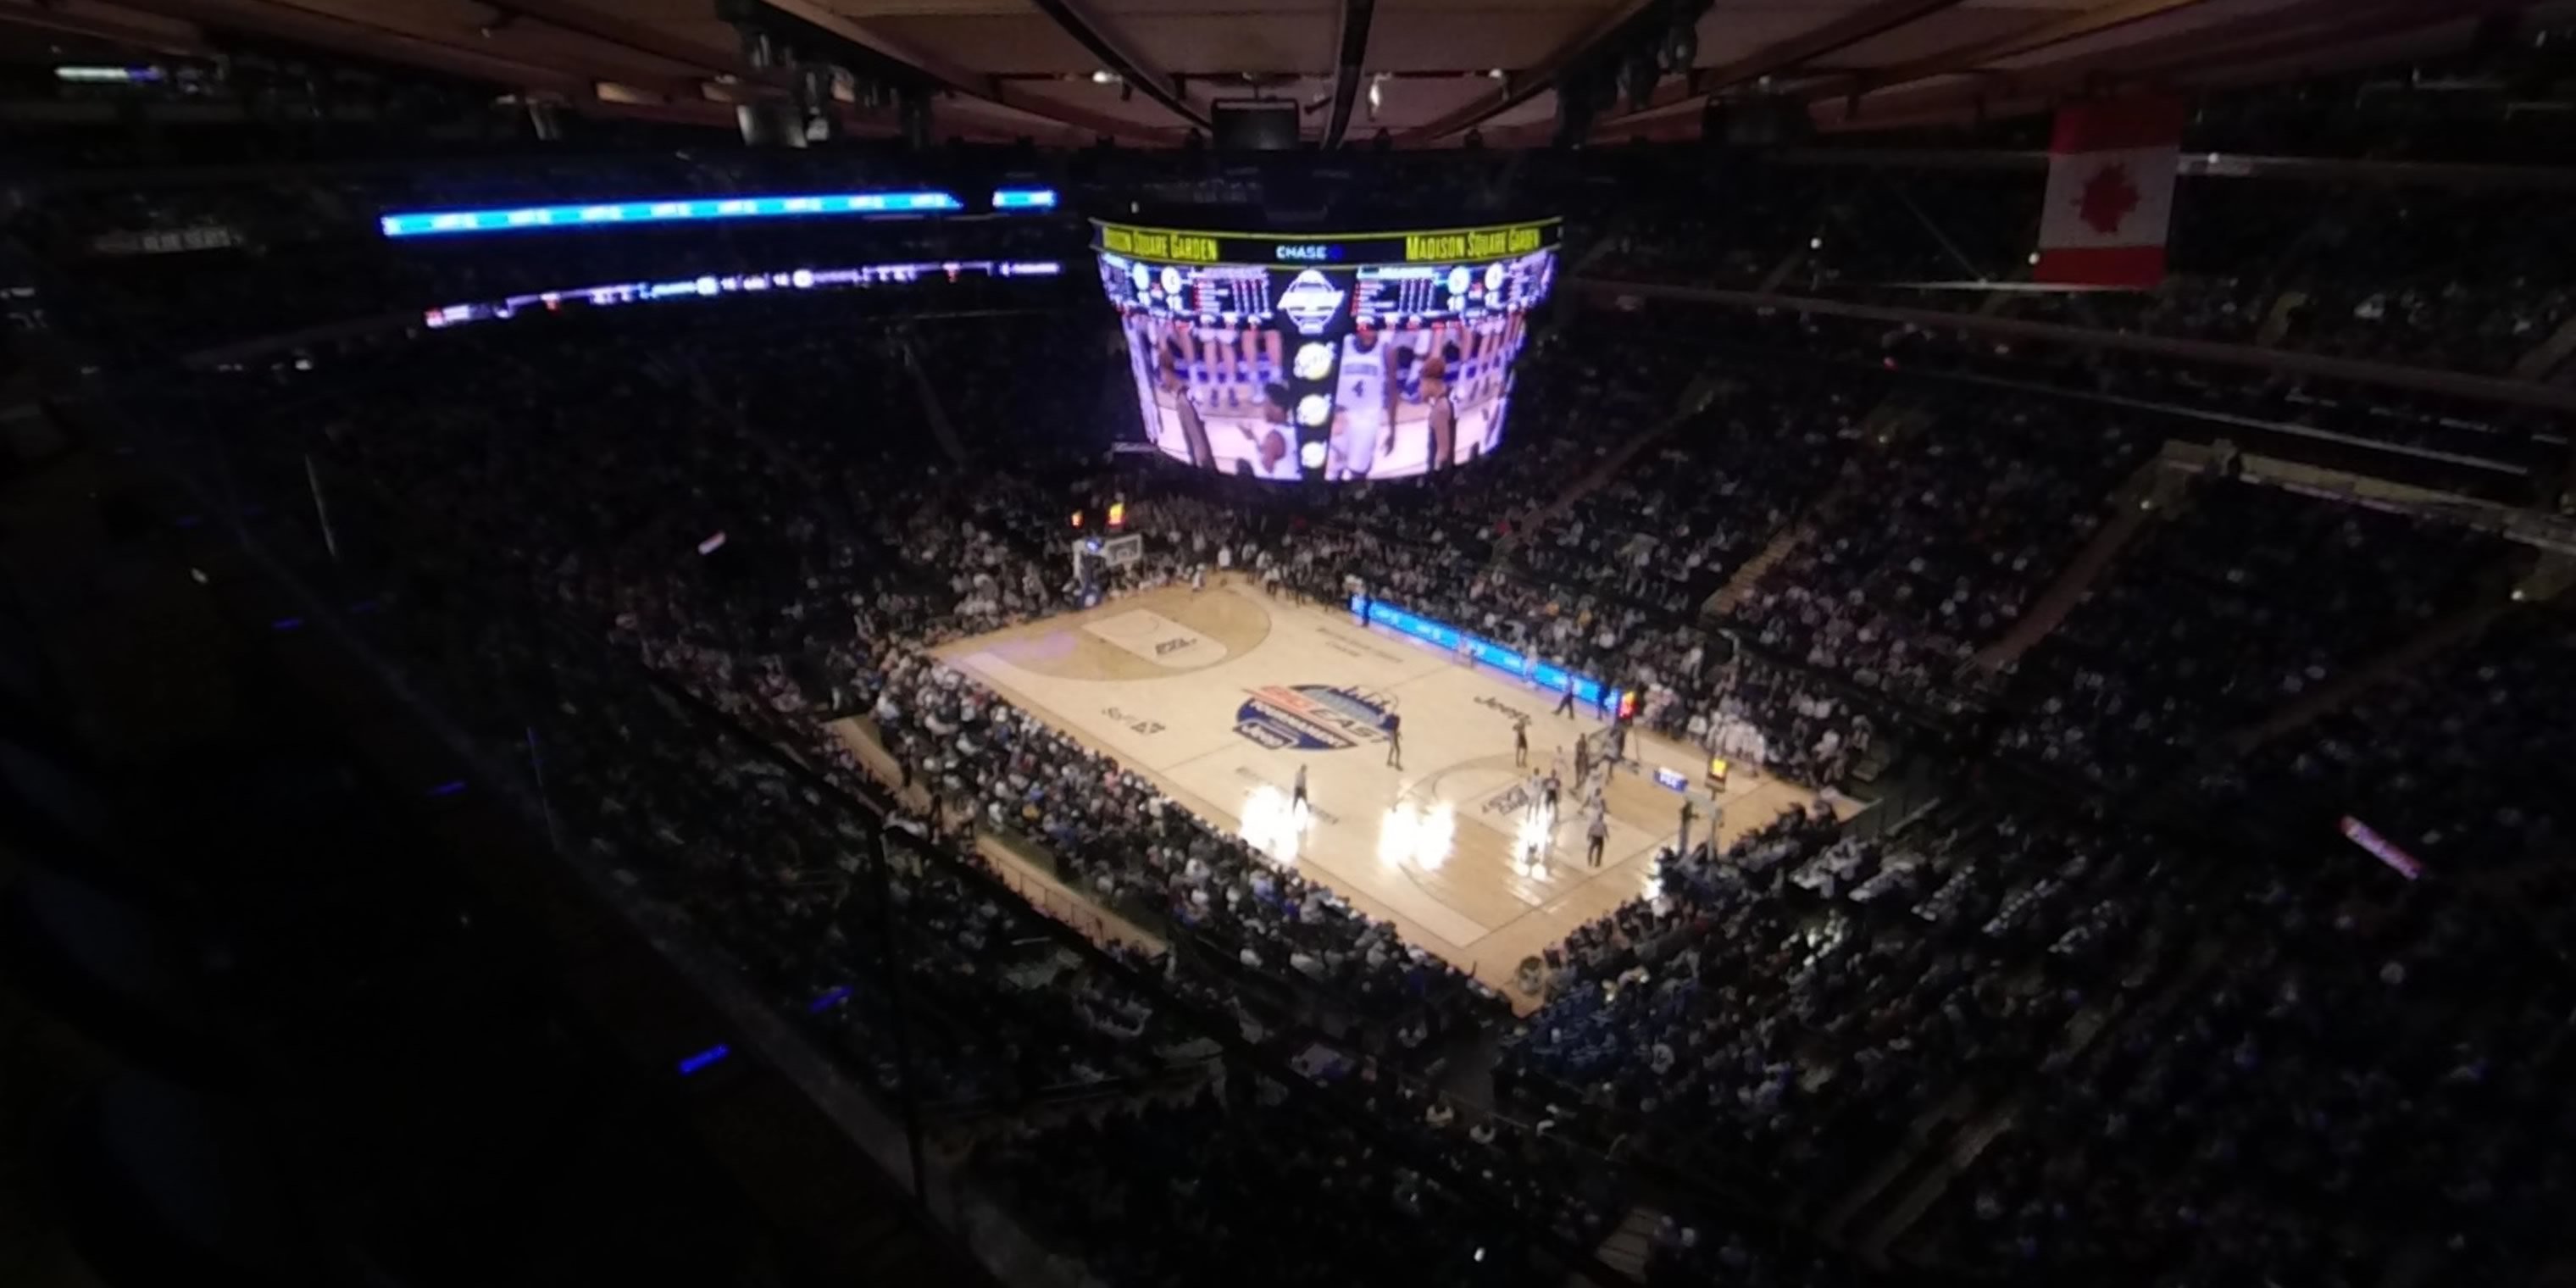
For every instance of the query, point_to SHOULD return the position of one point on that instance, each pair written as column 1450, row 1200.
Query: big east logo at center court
column 1313, row 717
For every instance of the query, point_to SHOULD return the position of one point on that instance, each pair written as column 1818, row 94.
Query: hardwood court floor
column 1219, row 695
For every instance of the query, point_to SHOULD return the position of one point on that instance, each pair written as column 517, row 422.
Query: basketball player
column 1599, row 833
column 1218, row 356
column 1394, row 740
column 1530, row 794
column 1582, row 760
column 1555, row 787
column 1193, row 430
column 1272, row 443
column 1298, row 796
column 1440, row 412
column 1520, row 743
column 1366, row 403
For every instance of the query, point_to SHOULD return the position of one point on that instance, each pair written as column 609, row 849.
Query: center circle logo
column 1313, row 717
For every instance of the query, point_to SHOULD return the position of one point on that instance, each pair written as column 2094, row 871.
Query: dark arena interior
column 1090, row 644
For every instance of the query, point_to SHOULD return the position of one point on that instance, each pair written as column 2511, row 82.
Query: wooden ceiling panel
column 1420, row 40
column 463, row 24
column 1948, row 29
column 2207, row 13
column 1256, row 40
column 1137, row 113
column 1538, row 109
column 1727, row 34
column 1301, row 90
column 35, row 29
column 2026, row 49
column 1403, row 102
column 1013, row 44
column 871, row 10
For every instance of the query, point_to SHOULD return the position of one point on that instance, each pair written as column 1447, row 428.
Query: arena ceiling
column 1424, row 71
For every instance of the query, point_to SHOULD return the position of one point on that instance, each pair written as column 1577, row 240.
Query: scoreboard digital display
column 1437, row 246
column 1347, row 357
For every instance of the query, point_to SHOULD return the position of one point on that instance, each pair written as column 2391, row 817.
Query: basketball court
column 1220, row 696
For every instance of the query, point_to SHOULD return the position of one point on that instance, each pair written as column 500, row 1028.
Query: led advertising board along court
column 1430, row 246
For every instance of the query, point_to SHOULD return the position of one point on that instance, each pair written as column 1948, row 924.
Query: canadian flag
column 2110, row 193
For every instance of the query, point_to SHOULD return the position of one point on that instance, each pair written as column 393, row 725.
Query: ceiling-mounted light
column 1496, row 74
column 1104, row 77
column 1376, row 94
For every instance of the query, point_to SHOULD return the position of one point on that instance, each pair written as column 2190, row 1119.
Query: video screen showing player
column 1330, row 375
column 1213, row 397
column 1449, row 385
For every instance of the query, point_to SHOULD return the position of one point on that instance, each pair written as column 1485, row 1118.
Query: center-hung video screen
column 1369, row 356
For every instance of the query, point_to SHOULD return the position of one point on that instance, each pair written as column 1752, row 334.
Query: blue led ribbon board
column 1545, row 674
column 436, row 223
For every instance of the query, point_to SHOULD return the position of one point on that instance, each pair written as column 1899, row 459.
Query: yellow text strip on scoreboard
column 1159, row 244
column 1434, row 246
column 1473, row 243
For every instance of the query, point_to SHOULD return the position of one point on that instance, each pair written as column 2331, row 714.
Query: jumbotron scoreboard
column 1345, row 357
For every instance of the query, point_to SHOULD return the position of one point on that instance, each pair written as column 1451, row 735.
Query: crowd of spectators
column 1933, row 545
column 2459, row 756
column 1670, row 529
column 646, row 554
column 2395, row 271
column 778, row 878
column 2346, row 1094
column 1778, row 1013
column 2220, row 614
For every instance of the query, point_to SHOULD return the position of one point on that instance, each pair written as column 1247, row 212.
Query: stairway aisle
column 2548, row 355
column 1625, row 1250
column 2137, row 502
column 1606, row 469
column 2440, row 636
column 931, row 408
column 1741, row 583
